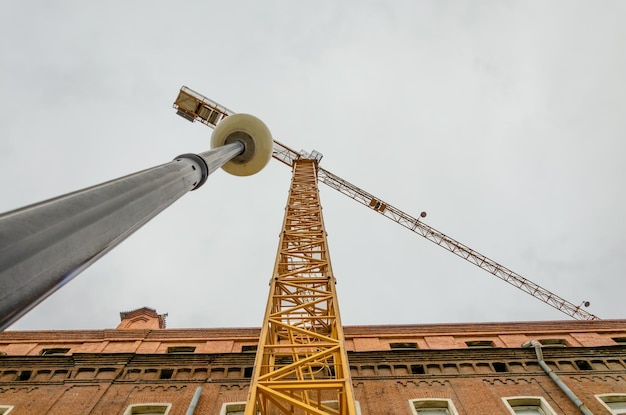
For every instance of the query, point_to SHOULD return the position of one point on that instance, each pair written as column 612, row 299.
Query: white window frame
column 226, row 405
column 537, row 401
column 181, row 349
column 55, row 351
column 610, row 397
column 403, row 346
column 432, row 403
column 6, row 409
column 130, row 409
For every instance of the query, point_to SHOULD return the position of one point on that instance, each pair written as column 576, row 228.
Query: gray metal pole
column 45, row 245
column 194, row 401
column 555, row 378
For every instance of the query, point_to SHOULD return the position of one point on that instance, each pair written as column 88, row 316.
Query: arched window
column 432, row 407
column 148, row 409
column 528, row 405
column 616, row 402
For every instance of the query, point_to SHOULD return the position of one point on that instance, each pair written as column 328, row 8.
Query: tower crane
column 196, row 107
column 301, row 364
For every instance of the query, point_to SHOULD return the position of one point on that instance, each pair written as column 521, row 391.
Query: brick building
column 141, row 367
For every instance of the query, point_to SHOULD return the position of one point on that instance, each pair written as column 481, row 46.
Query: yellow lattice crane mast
column 301, row 364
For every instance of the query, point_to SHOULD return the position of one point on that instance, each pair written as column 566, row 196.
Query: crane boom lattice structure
column 456, row 247
column 301, row 364
column 195, row 107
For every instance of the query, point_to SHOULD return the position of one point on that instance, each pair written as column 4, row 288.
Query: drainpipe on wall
column 194, row 401
column 555, row 378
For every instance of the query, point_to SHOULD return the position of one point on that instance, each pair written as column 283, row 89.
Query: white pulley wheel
column 254, row 135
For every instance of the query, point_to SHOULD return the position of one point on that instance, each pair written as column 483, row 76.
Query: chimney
column 141, row 318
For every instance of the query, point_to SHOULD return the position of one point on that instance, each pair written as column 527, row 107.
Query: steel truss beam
column 301, row 364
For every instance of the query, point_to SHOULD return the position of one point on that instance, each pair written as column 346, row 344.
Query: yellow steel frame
column 301, row 364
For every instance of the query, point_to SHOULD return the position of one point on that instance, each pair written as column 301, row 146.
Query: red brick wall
column 107, row 370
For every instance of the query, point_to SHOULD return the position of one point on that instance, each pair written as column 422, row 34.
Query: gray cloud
column 505, row 122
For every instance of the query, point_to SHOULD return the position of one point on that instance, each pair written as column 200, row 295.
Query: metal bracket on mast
column 313, row 155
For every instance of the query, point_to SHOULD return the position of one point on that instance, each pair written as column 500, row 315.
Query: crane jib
column 210, row 113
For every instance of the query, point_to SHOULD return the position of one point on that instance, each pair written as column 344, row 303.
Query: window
column 23, row 375
column 432, row 407
column 5, row 409
column 528, row 405
column 181, row 349
column 617, row 407
column 234, row 408
column 148, row 409
column 616, row 403
column 55, row 352
column 166, row 373
column 479, row 344
column 527, row 410
column 583, row 365
column 248, row 349
column 417, row 370
column 500, row 367
column 619, row 340
column 403, row 346
column 553, row 342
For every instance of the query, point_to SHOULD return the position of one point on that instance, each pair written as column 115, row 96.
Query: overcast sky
column 504, row 120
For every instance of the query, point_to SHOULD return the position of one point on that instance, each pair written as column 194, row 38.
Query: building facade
column 141, row 367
